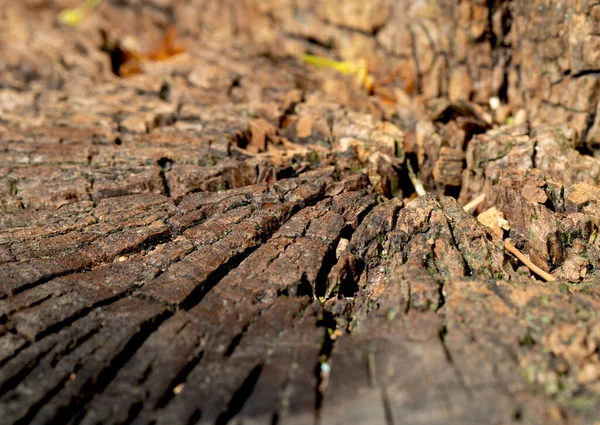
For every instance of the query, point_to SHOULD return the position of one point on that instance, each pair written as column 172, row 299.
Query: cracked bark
column 228, row 237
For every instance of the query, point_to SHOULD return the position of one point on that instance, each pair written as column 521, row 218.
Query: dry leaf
column 358, row 69
column 126, row 57
column 74, row 16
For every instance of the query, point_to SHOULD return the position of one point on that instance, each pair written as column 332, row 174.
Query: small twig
column 470, row 207
column 509, row 247
column 415, row 181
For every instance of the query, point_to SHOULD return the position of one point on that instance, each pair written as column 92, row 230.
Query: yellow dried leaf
column 358, row 69
column 71, row 17
column 74, row 16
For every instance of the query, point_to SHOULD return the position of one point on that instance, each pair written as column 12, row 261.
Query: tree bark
column 234, row 236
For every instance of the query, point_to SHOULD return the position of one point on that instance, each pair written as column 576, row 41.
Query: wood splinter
column 495, row 228
column 415, row 181
column 509, row 247
column 471, row 206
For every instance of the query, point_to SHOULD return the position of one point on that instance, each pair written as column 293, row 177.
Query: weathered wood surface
column 233, row 237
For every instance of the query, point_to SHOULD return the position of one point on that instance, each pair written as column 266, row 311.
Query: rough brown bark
column 232, row 236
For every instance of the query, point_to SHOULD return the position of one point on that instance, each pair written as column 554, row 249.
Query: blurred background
column 536, row 57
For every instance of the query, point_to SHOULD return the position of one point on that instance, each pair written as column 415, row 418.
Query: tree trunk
column 236, row 236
